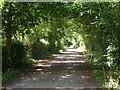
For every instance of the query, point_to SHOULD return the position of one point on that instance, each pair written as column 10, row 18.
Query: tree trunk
column 8, row 47
column 8, row 35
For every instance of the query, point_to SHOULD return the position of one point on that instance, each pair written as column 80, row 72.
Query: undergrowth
column 9, row 75
column 107, row 77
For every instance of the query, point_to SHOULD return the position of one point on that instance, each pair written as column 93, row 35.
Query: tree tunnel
column 39, row 29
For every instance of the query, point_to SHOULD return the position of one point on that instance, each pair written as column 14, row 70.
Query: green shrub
column 9, row 75
column 59, row 46
column 39, row 50
column 101, row 70
column 95, row 58
column 52, row 48
column 29, row 63
column 18, row 54
column 55, row 47
column 113, row 56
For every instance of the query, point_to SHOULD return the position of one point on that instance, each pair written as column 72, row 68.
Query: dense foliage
column 35, row 30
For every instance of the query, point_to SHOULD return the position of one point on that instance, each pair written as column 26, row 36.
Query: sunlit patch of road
column 65, row 70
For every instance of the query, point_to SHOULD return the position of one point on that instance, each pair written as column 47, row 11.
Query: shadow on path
column 67, row 70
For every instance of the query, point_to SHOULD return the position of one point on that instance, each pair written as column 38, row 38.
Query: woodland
column 35, row 30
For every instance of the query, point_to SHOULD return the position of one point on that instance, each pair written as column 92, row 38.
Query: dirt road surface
column 65, row 71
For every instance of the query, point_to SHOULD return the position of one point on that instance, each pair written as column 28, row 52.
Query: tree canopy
column 37, row 28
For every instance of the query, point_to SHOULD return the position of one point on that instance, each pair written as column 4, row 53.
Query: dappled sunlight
column 55, row 55
column 34, row 78
column 62, row 70
column 43, row 65
column 38, row 69
column 59, row 45
column 60, row 57
column 67, row 52
column 87, row 77
column 68, row 61
column 75, row 55
column 69, row 56
column 65, row 76
column 71, row 50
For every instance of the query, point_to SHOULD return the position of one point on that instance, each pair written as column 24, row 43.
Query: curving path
column 67, row 70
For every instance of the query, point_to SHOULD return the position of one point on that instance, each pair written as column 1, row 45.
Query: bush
column 95, row 58
column 18, row 54
column 39, row 50
column 113, row 56
column 55, row 47
column 9, row 75
column 52, row 47
column 102, row 71
column 60, row 46
column 18, row 57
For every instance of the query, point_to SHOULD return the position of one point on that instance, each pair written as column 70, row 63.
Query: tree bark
column 8, row 35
